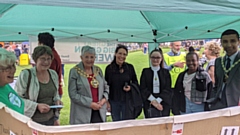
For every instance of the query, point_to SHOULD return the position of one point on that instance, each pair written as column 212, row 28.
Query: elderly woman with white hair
column 88, row 90
column 7, row 69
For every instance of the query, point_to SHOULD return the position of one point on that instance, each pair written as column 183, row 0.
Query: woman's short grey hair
column 41, row 50
column 7, row 58
column 88, row 49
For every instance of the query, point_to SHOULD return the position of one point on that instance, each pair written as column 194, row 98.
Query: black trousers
column 95, row 117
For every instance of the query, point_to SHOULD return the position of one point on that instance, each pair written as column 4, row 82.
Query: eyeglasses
column 44, row 59
column 9, row 68
column 157, row 58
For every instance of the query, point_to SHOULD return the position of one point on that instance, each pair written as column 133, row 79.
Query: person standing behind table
column 118, row 75
column 43, row 85
column 212, row 51
column 174, row 61
column 227, row 73
column 7, row 69
column 48, row 40
column 88, row 90
column 155, row 85
column 192, row 87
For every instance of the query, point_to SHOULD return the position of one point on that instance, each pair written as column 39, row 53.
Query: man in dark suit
column 227, row 74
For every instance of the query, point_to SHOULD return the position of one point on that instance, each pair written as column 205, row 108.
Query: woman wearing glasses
column 7, row 69
column 38, row 87
column 155, row 85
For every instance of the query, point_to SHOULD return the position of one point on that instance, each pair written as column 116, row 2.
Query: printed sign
column 177, row 129
column 233, row 130
column 34, row 132
column 69, row 50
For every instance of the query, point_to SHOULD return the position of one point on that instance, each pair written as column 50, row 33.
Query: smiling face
column 44, row 62
column 88, row 59
column 7, row 74
column 192, row 62
column 156, row 58
column 230, row 43
column 121, row 55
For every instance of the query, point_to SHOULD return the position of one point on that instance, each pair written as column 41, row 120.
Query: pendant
column 225, row 78
column 121, row 70
column 94, row 83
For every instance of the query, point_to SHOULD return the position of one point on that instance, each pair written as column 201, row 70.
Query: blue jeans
column 118, row 110
column 192, row 107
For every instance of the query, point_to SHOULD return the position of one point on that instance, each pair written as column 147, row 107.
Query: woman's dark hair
column 192, row 52
column 161, row 53
column 119, row 46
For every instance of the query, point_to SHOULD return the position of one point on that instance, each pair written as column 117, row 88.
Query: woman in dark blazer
column 155, row 85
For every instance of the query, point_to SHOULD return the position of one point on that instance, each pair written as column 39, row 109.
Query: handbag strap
column 28, row 83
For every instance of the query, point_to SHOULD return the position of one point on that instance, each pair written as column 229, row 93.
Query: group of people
column 37, row 88
column 173, row 81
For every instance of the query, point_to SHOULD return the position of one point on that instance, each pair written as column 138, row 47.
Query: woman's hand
column 59, row 102
column 128, row 88
column 108, row 107
column 95, row 106
column 43, row 108
column 102, row 101
column 157, row 105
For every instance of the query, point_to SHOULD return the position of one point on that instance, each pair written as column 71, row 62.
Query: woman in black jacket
column 155, row 85
column 119, row 75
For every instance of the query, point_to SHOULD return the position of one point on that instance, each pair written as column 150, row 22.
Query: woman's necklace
column 226, row 71
column 94, row 82
column 121, row 70
column 45, row 81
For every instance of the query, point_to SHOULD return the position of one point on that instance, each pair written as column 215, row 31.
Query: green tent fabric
column 124, row 21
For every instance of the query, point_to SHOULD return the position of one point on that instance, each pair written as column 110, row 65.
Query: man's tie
column 224, row 98
column 228, row 63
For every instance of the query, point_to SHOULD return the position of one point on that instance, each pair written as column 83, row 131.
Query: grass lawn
column 138, row 59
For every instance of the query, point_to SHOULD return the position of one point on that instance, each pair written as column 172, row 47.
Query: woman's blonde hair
column 214, row 48
column 7, row 58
